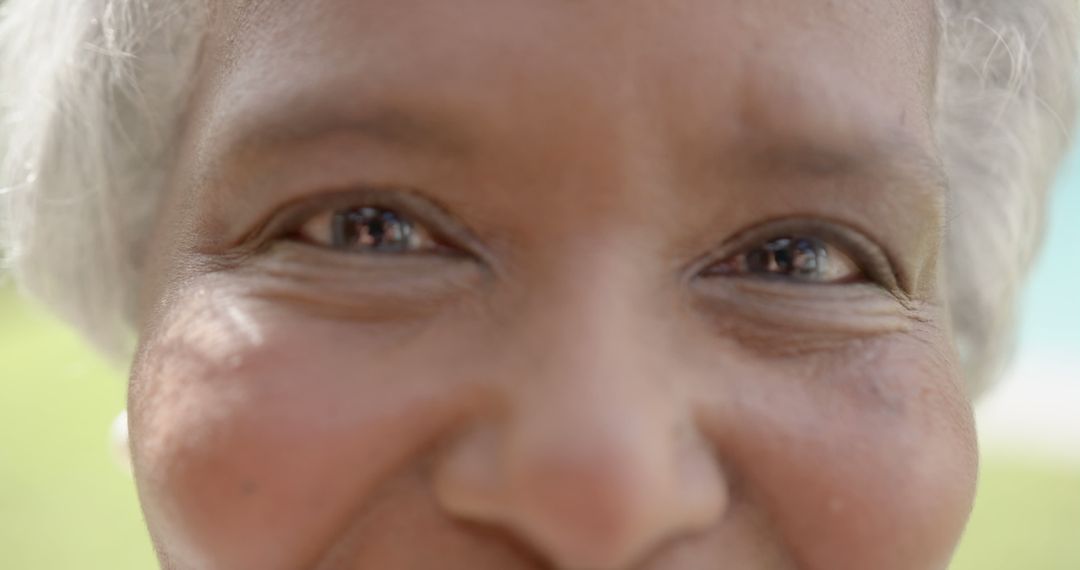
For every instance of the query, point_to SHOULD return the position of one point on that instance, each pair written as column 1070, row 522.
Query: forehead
column 789, row 56
column 614, row 24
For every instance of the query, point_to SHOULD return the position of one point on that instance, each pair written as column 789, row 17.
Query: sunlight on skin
column 680, row 300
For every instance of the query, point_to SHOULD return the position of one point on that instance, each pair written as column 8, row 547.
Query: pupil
column 787, row 256
column 375, row 228
column 782, row 255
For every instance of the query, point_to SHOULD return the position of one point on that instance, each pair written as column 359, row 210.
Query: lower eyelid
column 318, row 262
column 357, row 285
column 774, row 309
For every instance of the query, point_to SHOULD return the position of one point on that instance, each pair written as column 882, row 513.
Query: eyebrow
column 911, row 180
column 894, row 158
column 386, row 125
column 894, row 152
column 908, row 184
column 395, row 127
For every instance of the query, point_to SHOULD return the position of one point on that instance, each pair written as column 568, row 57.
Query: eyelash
column 379, row 230
column 785, row 250
column 868, row 262
column 794, row 257
column 425, row 228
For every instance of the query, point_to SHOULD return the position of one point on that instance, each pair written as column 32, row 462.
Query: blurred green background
column 64, row 504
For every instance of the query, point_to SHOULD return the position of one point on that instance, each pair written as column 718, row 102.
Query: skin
column 563, row 382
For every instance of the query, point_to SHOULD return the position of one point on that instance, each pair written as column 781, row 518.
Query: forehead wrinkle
column 243, row 11
column 235, row 23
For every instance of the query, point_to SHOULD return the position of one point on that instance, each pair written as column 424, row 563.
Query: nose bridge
column 591, row 396
column 589, row 356
column 587, row 325
column 595, row 459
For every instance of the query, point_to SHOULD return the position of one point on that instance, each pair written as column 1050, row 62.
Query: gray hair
column 87, row 128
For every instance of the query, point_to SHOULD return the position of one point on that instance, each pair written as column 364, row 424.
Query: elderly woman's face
column 591, row 285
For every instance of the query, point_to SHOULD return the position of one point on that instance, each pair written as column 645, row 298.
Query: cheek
column 257, row 434
column 862, row 460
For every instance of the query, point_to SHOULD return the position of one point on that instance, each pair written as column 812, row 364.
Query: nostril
column 601, row 514
column 612, row 507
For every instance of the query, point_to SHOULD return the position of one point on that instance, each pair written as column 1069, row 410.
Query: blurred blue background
column 1052, row 302
column 1036, row 409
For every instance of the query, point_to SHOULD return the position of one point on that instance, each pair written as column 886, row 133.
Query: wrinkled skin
column 562, row 382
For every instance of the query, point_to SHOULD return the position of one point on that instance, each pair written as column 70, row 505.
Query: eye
column 367, row 229
column 796, row 258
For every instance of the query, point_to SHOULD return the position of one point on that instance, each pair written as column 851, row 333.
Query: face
column 531, row 284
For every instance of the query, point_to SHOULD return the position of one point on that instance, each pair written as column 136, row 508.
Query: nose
column 593, row 458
